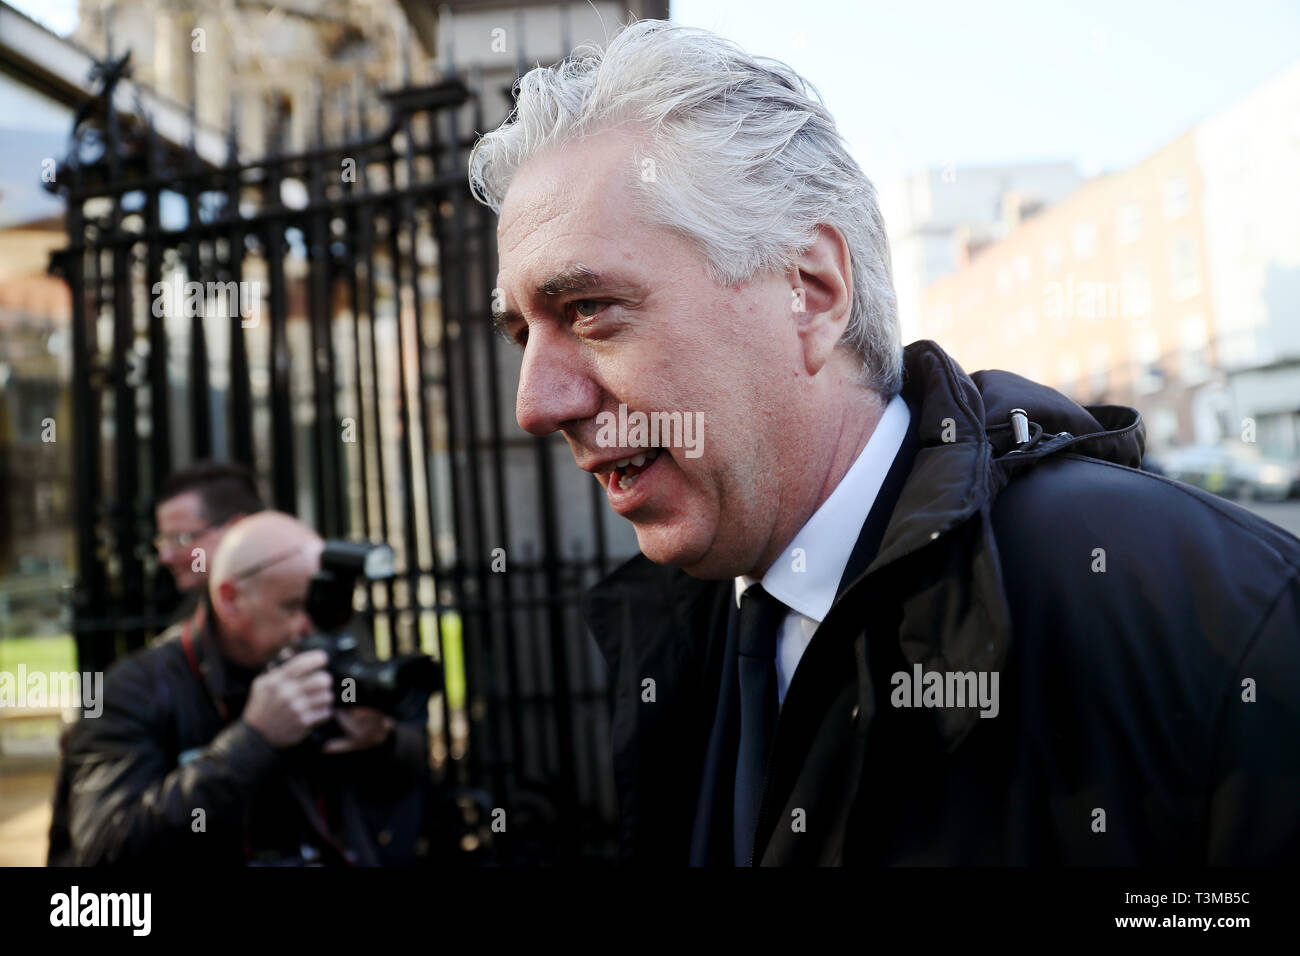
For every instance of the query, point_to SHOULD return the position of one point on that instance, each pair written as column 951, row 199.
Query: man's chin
column 187, row 582
column 251, row 661
column 695, row 557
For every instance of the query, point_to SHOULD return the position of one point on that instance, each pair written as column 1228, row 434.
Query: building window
column 1195, row 341
column 940, row 319
column 1084, row 238
column 972, row 301
column 1068, row 379
column 1053, row 256
column 1003, row 280
column 1149, row 376
column 1162, row 433
column 1135, row 291
column 1020, row 266
column 1239, row 349
column 1019, row 325
column 1099, row 374
column 1028, row 320
column 1186, row 275
column 1177, row 198
column 1128, row 223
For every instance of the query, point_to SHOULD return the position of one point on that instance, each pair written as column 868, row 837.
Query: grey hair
column 744, row 159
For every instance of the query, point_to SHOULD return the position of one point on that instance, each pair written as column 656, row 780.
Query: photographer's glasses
column 184, row 539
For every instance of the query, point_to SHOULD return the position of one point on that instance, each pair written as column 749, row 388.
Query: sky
column 1102, row 83
column 920, row 84
column 57, row 15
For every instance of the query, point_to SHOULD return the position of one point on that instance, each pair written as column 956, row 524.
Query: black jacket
column 133, row 780
column 1146, row 636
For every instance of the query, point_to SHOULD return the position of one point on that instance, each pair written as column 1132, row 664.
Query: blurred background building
column 939, row 219
column 1173, row 285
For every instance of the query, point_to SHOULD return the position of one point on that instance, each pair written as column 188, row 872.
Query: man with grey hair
column 887, row 612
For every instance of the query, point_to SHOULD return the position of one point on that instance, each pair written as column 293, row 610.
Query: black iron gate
column 323, row 316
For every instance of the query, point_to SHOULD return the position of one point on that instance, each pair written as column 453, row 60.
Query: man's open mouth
column 625, row 470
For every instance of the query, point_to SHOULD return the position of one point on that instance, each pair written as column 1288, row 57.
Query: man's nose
column 303, row 626
column 555, row 385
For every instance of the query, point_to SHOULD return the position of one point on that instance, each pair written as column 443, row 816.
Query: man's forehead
column 539, row 194
column 181, row 507
column 575, row 194
column 292, row 576
column 584, row 258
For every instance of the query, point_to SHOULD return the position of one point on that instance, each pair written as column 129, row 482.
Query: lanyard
column 191, row 655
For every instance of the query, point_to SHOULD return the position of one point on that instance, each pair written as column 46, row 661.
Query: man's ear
column 227, row 601
column 821, row 296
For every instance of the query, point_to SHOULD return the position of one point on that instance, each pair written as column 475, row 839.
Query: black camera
column 359, row 681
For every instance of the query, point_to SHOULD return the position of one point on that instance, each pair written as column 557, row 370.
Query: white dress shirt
column 806, row 577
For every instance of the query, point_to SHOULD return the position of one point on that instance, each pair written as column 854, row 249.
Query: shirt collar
column 807, row 575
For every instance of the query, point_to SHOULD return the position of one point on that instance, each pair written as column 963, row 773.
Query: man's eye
column 518, row 337
column 587, row 307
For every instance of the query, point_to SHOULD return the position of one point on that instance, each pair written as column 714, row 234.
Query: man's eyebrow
column 574, row 278
column 570, row 279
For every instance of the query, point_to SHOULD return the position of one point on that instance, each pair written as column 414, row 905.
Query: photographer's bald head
column 258, row 585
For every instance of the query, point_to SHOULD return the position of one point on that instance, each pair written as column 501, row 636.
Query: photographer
column 204, row 755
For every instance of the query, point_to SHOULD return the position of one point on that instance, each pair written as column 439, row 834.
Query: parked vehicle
column 1265, row 478
column 1236, row 471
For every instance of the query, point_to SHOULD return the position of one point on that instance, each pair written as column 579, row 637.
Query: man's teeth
column 636, row 461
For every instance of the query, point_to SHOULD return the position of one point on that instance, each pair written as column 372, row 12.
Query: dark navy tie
column 760, row 622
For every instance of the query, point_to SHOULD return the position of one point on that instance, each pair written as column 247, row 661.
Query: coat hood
column 980, row 406
column 967, row 451
column 1112, row 433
